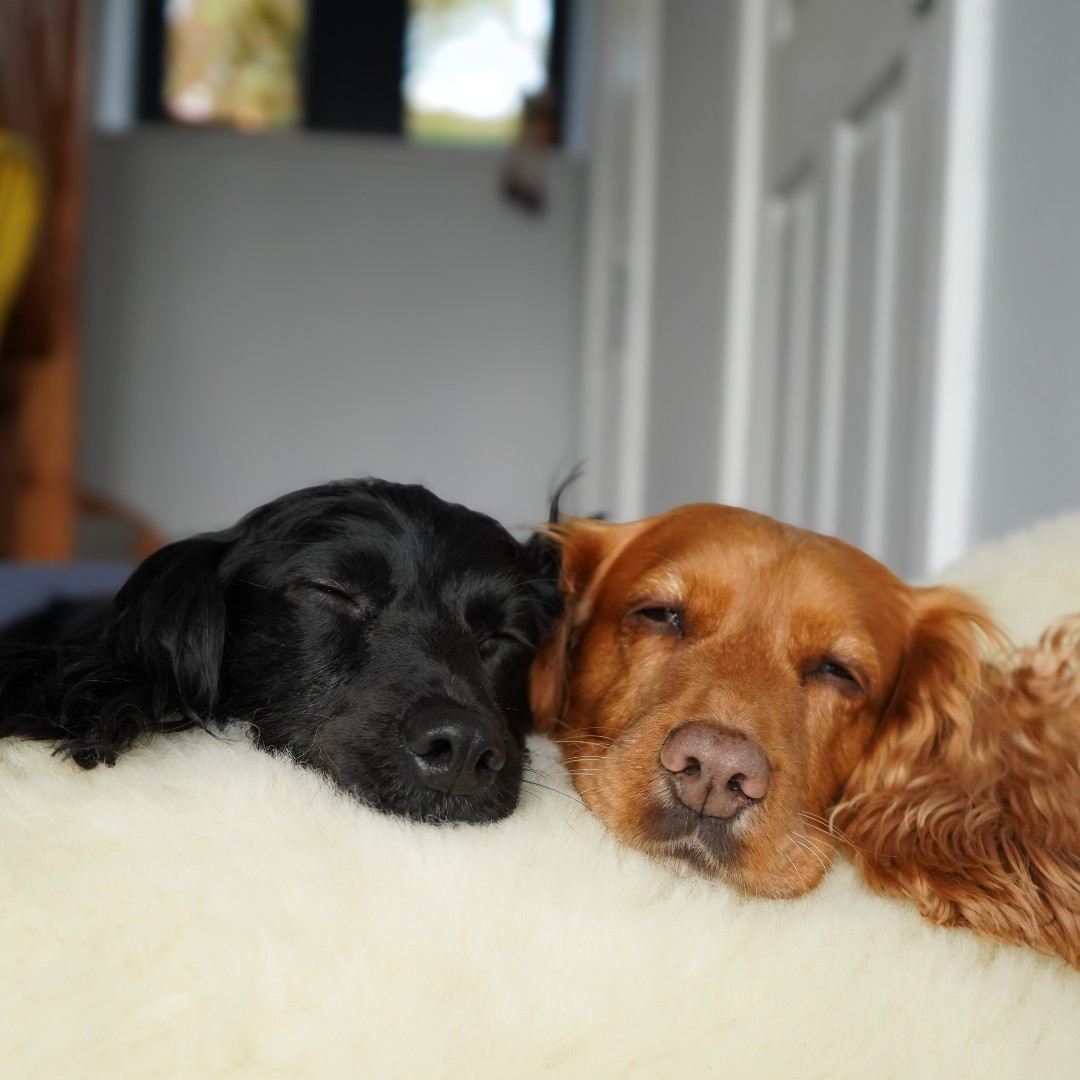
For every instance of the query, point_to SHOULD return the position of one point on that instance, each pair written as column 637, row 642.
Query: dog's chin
column 722, row 849
column 712, row 847
column 435, row 808
column 389, row 782
column 410, row 798
column 709, row 845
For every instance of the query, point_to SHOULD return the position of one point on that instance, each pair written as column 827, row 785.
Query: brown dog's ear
column 930, row 715
column 586, row 547
column 961, row 802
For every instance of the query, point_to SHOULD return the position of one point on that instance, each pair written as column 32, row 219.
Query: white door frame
column 740, row 303
column 961, row 286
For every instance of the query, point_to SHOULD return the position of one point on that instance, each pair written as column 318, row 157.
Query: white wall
column 1028, row 423
column 265, row 313
column 693, row 201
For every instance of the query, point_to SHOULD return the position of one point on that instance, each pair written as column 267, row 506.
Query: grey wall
column 1028, row 424
column 265, row 313
column 693, row 201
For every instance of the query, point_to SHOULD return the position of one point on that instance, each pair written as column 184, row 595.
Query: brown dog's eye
column 835, row 672
column 668, row 620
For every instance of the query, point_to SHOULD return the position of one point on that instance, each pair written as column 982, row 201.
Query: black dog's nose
column 457, row 751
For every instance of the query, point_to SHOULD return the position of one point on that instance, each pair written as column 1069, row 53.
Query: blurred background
column 816, row 257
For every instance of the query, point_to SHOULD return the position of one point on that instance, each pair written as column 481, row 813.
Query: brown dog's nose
column 713, row 772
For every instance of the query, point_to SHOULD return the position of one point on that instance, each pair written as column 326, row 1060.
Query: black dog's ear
column 168, row 622
column 151, row 663
column 540, row 555
column 540, row 560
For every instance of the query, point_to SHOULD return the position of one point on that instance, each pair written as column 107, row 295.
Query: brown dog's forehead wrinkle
column 688, row 533
column 732, row 569
column 779, row 575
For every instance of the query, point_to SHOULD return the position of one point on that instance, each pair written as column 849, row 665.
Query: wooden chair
column 42, row 135
column 20, row 219
column 20, row 216
column 43, row 103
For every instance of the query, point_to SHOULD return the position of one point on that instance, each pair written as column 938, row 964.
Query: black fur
column 327, row 620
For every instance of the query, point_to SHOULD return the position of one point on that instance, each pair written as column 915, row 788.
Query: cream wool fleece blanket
column 207, row 910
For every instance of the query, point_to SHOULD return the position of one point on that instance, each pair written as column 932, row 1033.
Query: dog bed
column 204, row 910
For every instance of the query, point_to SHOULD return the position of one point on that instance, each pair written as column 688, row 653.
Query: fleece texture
column 206, row 910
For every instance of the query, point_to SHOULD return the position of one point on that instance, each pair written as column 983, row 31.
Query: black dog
column 368, row 628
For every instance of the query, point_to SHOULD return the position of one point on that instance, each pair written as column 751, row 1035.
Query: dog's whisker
column 805, row 844
column 557, row 791
column 585, row 740
column 309, row 749
column 798, row 872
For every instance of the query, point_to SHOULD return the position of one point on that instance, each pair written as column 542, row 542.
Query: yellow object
column 20, row 215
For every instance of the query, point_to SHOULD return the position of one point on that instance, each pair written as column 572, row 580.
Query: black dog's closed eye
column 356, row 603
column 367, row 628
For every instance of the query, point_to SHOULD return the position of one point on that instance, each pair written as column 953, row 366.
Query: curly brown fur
column 968, row 799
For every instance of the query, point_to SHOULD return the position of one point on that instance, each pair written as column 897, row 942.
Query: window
column 469, row 66
column 446, row 71
column 234, row 62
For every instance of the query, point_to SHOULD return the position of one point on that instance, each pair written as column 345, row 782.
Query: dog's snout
column 714, row 772
column 457, row 751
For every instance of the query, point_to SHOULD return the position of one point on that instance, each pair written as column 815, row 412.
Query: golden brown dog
column 749, row 697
